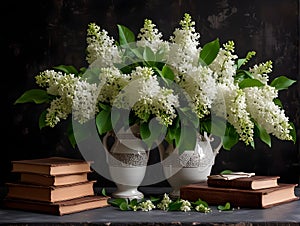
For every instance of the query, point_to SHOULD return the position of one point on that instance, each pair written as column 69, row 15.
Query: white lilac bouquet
column 174, row 87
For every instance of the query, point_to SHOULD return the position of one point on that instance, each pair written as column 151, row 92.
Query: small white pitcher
column 192, row 166
column 127, row 160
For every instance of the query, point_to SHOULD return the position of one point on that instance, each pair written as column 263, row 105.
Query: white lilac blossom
column 164, row 203
column 185, row 205
column 261, row 71
column 152, row 98
column 63, row 87
column 203, row 209
column 146, row 97
column 146, row 205
column 236, row 110
column 197, row 81
column 101, row 50
column 264, row 111
column 85, row 101
column 200, row 86
column 151, row 37
column 184, row 50
column 111, row 82
column 224, row 64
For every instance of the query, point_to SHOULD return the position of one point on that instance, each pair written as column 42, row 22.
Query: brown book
column 48, row 180
column 50, row 193
column 254, row 182
column 58, row 208
column 51, row 166
column 260, row 198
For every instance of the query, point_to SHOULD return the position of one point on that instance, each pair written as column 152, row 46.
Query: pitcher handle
column 161, row 150
column 217, row 149
column 106, row 136
column 210, row 138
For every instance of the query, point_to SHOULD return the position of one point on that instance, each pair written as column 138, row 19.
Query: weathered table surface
column 284, row 214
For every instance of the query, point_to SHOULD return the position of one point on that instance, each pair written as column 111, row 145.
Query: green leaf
column 115, row 118
column 278, row 102
column 187, row 139
column 168, row 73
column 226, row 207
column 160, row 54
column 252, row 144
column 82, row 70
column 126, row 36
column 105, row 107
column 133, row 202
column 42, row 119
column 125, row 69
column 124, row 206
column 138, row 52
column 263, row 135
column 209, row 52
column 175, row 206
column 103, row 122
column 37, row 96
column 205, row 126
column 71, row 136
column 148, row 54
column 293, row 132
column 246, row 73
column 117, row 202
column 218, row 126
column 199, row 202
column 171, row 133
column 230, row 138
column 155, row 199
column 103, row 192
column 145, row 131
column 68, row 69
column 177, row 136
column 282, row 82
column 189, row 116
column 229, row 142
column 240, row 62
column 241, row 75
column 159, row 72
column 151, row 132
column 226, row 172
column 250, row 82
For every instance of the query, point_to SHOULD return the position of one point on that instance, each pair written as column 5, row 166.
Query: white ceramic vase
column 127, row 161
column 192, row 166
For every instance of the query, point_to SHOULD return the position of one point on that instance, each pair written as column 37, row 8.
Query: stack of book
column 54, row 185
column 250, row 192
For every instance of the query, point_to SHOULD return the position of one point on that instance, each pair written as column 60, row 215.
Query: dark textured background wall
column 39, row 34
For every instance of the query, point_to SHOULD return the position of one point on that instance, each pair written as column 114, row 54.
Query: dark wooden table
column 285, row 214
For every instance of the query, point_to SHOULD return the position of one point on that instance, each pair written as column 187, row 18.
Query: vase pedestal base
column 127, row 180
column 127, row 192
column 178, row 177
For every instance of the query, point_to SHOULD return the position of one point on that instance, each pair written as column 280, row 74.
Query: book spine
column 230, row 184
column 71, row 192
column 29, row 168
column 18, row 204
column 218, row 197
column 37, row 179
column 31, row 193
